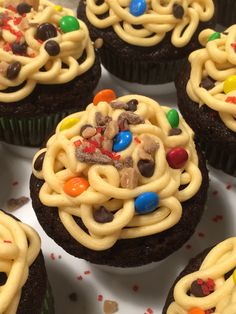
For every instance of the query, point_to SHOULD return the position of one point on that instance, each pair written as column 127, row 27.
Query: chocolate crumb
column 178, row 11
column 73, row 297
column 132, row 105
column 102, row 215
column 38, row 164
column 119, row 105
column 175, row 131
column 15, row 203
column 110, row 307
column 207, row 83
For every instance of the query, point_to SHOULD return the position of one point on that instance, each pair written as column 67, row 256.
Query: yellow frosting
column 156, row 21
column 220, row 260
column 19, row 247
column 38, row 67
column 218, row 61
column 60, row 164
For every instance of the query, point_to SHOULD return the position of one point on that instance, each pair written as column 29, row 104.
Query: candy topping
column 146, row 167
column 214, row 36
column 234, row 276
column 19, row 48
column 138, row 7
column 68, row 123
column 39, row 162
column 201, row 288
column 102, row 215
column 196, row 310
column 173, row 118
column 58, row 7
column 177, row 157
column 107, row 95
column 52, row 48
column 46, row 31
column 146, row 202
column 69, row 24
column 178, row 11
column 230, row 84
column 13, row 70
column 122, row 140
column 23, row 8
column 75, row 186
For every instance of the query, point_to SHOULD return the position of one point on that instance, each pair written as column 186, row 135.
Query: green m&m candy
column 173, row 118
column 69, row 23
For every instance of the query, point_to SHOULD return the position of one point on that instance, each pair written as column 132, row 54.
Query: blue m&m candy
column 146, row 202
column 122, row 141
column 137, row 7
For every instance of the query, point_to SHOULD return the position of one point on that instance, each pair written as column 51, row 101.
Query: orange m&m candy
column 196, row 310
column 75, row 186
column 107, row 95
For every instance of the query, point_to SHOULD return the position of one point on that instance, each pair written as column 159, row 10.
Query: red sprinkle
column 77, row 143
column 188, row 247
column 12, row 8
column 137, row 140
column 229, row 186
column 201, row 234
column 7, row 241
column 79, row 278
column 231, row 99
column 52, row 256
column 149, row 310
column 7, row 47
column 233, row 45
column 15, row 183
column 100, row 297
column 87, row 272
column 17, row 20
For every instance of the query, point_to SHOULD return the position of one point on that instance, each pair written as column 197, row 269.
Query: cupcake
column 124, row 186
column 226, row 12
column 48, row 69
column 207, row 284
column 23, row 278
column 146, row 42
column 206, row 91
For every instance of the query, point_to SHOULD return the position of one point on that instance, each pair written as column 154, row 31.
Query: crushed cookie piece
column 131, row 117
column 144, row 155
column 119, row 105
column 128, row 162
column 149, row 145
column 94, row 158
column 118, row 165
column 111, row 130
column 101, row 120
column 110, row 307
column 15, row 203
column 128, row 178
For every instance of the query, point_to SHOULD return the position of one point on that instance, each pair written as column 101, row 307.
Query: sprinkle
column 73, row 297
column 77, row 143
column 14, row 183
column 11, row 8
column 135, row 288
column 233, row 45
column 58, row 8
column 215, row 192
column 231, row 99
column 217, row 218
column 52, row 256
column 7, row 241
column 149, row 310
column 59, row 256
column 137, row 140
column 201, row 234
column 17, row 20
column 79, row 278
column 87, row 272
column 188, row 247
column 228, row 186
column 100, row 297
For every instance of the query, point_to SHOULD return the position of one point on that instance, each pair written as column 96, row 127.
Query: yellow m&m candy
column 58, row 7
column 234, row 276
column 230, row 84
column 68, row 123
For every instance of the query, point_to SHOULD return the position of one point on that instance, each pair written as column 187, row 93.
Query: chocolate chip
column 207, row 83
column 102, row 215
column 38, row 164
column 146, row 167
column 52, row 48
column 178, row 11
column 46, row 31
column 19, row 48
column 23, row 8
column 196, row 289
column 73, row 297
column 13, row 70
column 85, row 127
column 132, row 104
column 3, row 278
column 175, row 131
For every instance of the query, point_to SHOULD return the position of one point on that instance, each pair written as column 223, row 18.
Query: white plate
column 135, row 294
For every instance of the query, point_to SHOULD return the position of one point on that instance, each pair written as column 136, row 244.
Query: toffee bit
column 128, row 162
column 128, row 178
column 98, row 43
column 149, row 145
column 89, row 132
column 15, row 203
column 101, row 120
column 131, row 117
column 110, row 307
column 111, row 130
column 94, row 158
column 119, row 105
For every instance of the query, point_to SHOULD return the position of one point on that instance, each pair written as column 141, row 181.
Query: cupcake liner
column 226, row 12
column 29, row 131
column 48, row 303
column 143, row 72
column 218, row 157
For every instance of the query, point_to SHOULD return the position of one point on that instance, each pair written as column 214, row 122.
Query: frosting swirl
column 216, row 265
column 19, row 247
column 39, row 64
column 109, row 182
column 217, row 62
column 157, row 20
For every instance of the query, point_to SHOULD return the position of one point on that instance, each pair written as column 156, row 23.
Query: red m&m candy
column 177, row 157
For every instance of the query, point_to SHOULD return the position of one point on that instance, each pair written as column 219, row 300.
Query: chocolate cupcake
column 48, row 69
column 226, row 12
column 146, row 42
column 124, row 186
column 207, row 284
column 23, row 278
column 206, row 92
